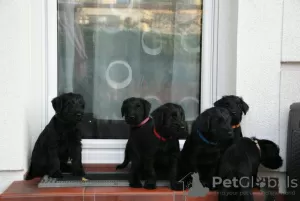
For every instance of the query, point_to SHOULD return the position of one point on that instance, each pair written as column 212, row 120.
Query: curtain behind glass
column 111, row 51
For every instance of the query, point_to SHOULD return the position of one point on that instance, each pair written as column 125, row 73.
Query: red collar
column 143, row 122
column 158, row 136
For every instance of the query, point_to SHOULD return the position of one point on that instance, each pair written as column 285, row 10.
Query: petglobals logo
column 250, row 182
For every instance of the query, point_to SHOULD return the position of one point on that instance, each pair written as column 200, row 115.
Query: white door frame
column 112, row 151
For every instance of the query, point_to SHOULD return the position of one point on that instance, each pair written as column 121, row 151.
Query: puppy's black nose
column 131, row 117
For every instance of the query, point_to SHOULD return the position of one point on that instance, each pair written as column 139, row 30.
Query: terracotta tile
column 41, row 198
column 89, row 198
column 130, row 194
column 25, row 188
column 134, row 198
column 259, row 196
column 280, row 197
column 211, row 196
column 126, row 190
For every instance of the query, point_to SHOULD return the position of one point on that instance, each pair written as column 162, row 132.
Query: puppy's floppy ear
column 123, row 108
column 80, row 100
column 182, row 113
column 147, row 107
column 244, row 106
column 158, row 116
column 220, row 102
column 57, row 104
column 204, row 122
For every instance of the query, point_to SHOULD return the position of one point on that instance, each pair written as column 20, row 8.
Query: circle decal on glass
column 118, row 85
column 147, row 49
column 186, row 47
column 189, row 99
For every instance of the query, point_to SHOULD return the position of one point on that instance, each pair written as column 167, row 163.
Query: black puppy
column 170, row 123
column 176, row 126
column 142, row 143
column 237, row 107
column 136, row 112
column 169, row 119
column 147, row 142
column 201, row 151
column 60, row 141
column 241, row 162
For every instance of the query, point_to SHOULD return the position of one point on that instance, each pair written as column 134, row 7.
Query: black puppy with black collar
column 60, row 141
column 241, row 161
column 237, row 107
column 202, row 149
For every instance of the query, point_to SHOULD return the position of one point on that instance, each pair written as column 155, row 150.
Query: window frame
column 111, row 151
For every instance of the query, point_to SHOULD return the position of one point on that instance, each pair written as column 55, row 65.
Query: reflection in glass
column 109, row 50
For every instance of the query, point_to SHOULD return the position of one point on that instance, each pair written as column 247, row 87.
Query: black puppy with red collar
column 148, row 140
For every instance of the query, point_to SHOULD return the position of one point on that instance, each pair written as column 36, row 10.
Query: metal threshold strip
column 103, row 179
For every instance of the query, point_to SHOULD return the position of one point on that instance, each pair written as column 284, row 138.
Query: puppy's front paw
column 135, row 184
column 119, row 167
column 65, row 168
column 177, row 186
column 57, row 174
column 150, row 185
column 79, row 172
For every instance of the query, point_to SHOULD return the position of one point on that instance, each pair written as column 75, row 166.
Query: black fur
column 142, row 143
column 161, row 122
column 202, row 156
column 237, row 107
column 135, row 111
column 169, row 121
column 60, row 140
column 241, row 160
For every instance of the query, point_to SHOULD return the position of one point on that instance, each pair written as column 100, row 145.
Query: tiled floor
column 28, row 191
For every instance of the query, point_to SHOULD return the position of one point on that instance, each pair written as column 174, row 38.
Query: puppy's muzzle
column 79, row 116
column 130, row 117
column 179, row 125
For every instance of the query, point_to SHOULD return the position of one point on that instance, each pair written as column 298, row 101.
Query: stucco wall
column 268, row 65
column 290, row 66
column 14, row 76
column 258, row 65
column 21, row 74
